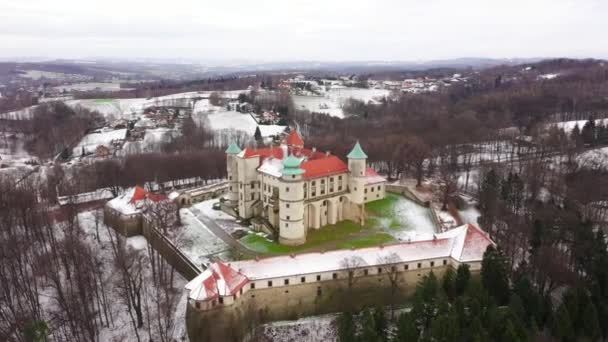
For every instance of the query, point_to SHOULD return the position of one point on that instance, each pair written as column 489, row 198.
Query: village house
column 295, row 189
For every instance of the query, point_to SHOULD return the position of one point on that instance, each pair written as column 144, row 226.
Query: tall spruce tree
column 494, row 275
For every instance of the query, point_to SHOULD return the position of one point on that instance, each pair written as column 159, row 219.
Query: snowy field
column 152, row 142
column 89, row 142
column 320, row 328
column 332, row 101
column 568, row 126
column 597, row 158
column 231, row 125
column 227, row 222
column 88, row 86
column 402, row 218
column 196, row 241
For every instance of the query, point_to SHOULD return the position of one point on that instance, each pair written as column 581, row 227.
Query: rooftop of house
column 466, row 243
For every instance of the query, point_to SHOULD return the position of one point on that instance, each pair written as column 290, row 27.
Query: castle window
column 319, row 277
column 393, row 269
column 252, row 184
column 240, row 186
column 286, row 281
column 313, row 194
column 351, row 274
column 313, row 182
column 303, row 279
column 221, row 300
column 432, row 263
column 339, row 177
column 379, row 270
column 252, row 196
column 231, row 188
column 419, row 265
column 319, row 291
column 378, row 187
column 365, row 191
column 322, row 181
column 293, row 176
column 213, row 303
column 287, row 217
column 335, row 275
column 286, row 225
column 230, row 177
column 322, row 191
column 241, row 291
column 287, row 205
column 286, row 189
column 340, row 188
column 406, row 267
column 341, row 199
column 252, row 286
column 270, row 283
column 378, row 196
column 198, row 305
column 445, row 262
column 365, row 272
column 372, row 189
column 365, row 198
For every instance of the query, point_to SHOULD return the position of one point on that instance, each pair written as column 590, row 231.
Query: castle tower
column 356, row 167
column 232, row 172
column 291, row 203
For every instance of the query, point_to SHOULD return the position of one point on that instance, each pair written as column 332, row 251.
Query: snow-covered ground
column 122, row 329
column 470, row 215
column 597, row 158
column 227, row 222
column 89, row 142
column 196, row 241
column 89, row 86
column 332, row 101
column 313, row 329
column 407, row 221
column 568, row 126
column 152, row 142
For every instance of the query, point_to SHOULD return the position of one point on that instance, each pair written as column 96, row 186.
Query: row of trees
column 461, row 307
column 65, row 276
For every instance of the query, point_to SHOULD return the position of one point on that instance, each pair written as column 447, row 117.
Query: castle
column 295, row 188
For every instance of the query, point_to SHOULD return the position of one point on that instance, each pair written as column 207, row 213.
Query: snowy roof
column 372, row 177
column 217, row 280
column 131, row 201
column 466, row 243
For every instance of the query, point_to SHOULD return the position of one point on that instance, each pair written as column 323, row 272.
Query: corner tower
column 291, row 203
column 357, row 163
column 232, row 172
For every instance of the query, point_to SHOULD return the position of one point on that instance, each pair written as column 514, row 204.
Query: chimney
column 285, row 150
column 327, row 153
column 314, row 149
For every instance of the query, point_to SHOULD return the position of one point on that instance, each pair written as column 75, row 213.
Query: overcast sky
column 280, row 30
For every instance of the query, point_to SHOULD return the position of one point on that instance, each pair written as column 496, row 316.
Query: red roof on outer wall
column 323, row 167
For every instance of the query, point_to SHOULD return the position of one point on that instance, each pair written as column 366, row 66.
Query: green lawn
column 366, row 241
column 104, row 100
column 386, row 219
column 345, row 234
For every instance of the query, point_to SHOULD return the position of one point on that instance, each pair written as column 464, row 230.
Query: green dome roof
column 357, row 152
column 291, row 166
column 233, row 149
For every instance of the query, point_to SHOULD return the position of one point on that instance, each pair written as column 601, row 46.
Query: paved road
column 221, row 233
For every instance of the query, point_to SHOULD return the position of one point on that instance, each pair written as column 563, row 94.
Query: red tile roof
column 294, row 139
column 323, row 167
column 140, row 193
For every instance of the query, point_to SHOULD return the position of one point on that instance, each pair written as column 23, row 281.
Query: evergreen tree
column 258, row 134
column 368, row 327
column 561, row 326
column 588, row 132
column 494, row 275
column 346, row 327
column 380, row 323
column 448, row 283
column 463, row 274
column 575, row 135
column 36, row 331
column 591, row 324
column 406, row 329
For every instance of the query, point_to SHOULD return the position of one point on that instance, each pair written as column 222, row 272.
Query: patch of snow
column 89, row 142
